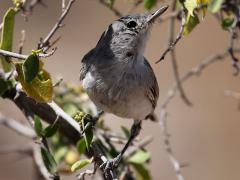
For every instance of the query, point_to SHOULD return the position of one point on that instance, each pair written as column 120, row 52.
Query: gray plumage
column 115, row 74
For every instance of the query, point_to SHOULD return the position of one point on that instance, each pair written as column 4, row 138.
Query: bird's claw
column 111, row 164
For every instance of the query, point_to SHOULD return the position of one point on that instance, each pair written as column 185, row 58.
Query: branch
column 171, row 94
column 88, row 172
column 170, row 49
column 172, row 42
column 235, row 60
column 99, row 159
column 22, row 41
column 17, row 127
column 23, row 57
column 138, row 146
column 58, row 24
column 40, row 164
column 24, row 8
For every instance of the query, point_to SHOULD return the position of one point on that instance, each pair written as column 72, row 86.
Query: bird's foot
column 111, row 164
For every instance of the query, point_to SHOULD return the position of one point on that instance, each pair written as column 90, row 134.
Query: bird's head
column 127, row 36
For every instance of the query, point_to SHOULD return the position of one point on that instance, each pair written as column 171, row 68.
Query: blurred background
column 205, row 136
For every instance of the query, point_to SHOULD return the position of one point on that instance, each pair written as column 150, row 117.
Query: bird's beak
column 156, row 14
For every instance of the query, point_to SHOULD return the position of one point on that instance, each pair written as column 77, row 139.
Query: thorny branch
column 170, row 48
column 17, row 127
column 171, row 94
column 45, row 43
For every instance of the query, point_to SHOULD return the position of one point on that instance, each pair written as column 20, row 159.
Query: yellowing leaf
column 203, row 3
column 190, row 5
column 7, row 37
column 40, row 88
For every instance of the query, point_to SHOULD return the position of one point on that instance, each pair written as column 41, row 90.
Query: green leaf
column 50, row 130
column 126, row 131
column 142, row 172
column 30, row 68
column 81, row 146
column 40, row 88
column 88, row 137
column 110, row 3
column 192, row 22
column 227, row 23
column 60, row 153
column 139, row 157
column 215, row 5
column 49, row 161
column 80, row 164
column 38, row 125
column 3, row 86
column 7, row 37
column 149, row 4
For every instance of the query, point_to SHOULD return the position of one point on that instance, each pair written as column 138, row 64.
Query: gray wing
column 152, row 91
column 85, row 64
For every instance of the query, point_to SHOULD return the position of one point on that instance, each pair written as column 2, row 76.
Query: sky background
column 206, row 136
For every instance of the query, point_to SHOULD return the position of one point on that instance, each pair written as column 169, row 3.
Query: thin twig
column 235, row 61
column 170, row 48
column 143, row 143
column 17, row 127
column 58, row 24
column 23, row 57
column 24, row 9
column 176, row 164
column 63, row 5
column 171, row 94
column 22, row 41
column 172, row 42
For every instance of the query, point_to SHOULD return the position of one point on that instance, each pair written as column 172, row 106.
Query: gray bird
column 116, row 75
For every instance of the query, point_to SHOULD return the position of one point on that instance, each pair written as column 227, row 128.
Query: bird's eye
column 131, row 24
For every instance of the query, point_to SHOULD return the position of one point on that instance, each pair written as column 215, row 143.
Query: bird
column 118, row 78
